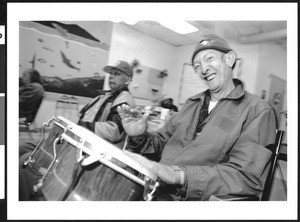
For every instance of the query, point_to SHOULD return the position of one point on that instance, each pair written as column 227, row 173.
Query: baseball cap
column 122, row 66
column 211, row 41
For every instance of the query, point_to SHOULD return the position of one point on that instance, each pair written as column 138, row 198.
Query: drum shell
column 98, row 182
column 63, row 165
column 44, row 155
column 68, row 180
column 61, row 176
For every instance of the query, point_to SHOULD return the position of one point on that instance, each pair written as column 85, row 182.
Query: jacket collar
column 235, row 94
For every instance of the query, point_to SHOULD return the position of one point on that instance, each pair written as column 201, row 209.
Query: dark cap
column 211, row 41
column 122, row 66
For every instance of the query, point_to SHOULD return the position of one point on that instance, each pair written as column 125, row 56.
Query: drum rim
column 117, row 153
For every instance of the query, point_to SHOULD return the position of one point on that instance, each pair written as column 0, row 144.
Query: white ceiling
column 243, row 32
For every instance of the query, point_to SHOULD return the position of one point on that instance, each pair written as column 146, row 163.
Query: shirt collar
column 235, row 94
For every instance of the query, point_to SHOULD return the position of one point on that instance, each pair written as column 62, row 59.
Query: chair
column 67, row 101
column 67, row 106
column 276, row 155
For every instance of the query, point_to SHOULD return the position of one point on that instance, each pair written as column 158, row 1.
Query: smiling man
column 213, row 61
column 216, row 144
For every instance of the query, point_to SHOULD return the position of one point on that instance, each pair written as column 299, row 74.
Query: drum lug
column 149, row 189
column 27, row 161
column 38, row 184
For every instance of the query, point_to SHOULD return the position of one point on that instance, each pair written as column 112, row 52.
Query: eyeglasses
column 116, row 72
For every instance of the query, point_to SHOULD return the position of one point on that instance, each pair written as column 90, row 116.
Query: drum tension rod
column 39, row 183
column 30, row 159
column 149, row 189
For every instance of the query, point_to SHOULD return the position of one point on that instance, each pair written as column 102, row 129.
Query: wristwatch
column 179, row 175
column 180, row 181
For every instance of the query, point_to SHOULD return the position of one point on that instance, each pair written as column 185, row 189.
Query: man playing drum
column 216, row 144
column 100, row 116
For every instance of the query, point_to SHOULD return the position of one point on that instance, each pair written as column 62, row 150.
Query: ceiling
column 243, row 32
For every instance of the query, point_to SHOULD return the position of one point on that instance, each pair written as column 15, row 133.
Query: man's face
column 214, row 68
column 117, row 79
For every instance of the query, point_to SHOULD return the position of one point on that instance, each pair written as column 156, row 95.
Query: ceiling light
column 181, row 27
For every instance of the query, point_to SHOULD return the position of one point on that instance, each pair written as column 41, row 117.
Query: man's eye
column 196, row 67
column 209, row 58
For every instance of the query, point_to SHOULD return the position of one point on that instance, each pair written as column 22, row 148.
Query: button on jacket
column 228, row 156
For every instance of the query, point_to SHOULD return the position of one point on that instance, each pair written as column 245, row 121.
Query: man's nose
column 204, row 69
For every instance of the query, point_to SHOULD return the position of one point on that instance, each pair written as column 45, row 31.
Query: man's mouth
column 210, row 77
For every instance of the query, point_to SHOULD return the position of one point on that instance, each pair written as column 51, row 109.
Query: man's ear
column 231, row 57
column 128, row 80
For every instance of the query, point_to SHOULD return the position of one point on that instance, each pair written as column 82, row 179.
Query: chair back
column 274, row 158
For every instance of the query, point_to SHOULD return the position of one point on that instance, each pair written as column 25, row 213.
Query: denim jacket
column 228, row 156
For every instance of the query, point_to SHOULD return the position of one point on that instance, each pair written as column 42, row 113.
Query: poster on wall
column 147, row 83
column 69, row 58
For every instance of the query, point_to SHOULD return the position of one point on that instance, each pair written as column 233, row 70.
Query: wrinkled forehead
column 205, row 53
column 116, row 71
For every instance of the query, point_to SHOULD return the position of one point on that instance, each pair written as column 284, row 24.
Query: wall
column 181, row 56
column 272, row 60
column 272, row 77
column 250, row 57
column 128, row 44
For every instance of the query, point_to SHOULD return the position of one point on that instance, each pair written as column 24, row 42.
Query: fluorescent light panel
column 181, row 27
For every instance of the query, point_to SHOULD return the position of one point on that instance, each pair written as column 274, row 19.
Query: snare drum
column 83, row 166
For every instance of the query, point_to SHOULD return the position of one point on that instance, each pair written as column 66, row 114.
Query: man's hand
column 164, row 172
column 133, row 121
